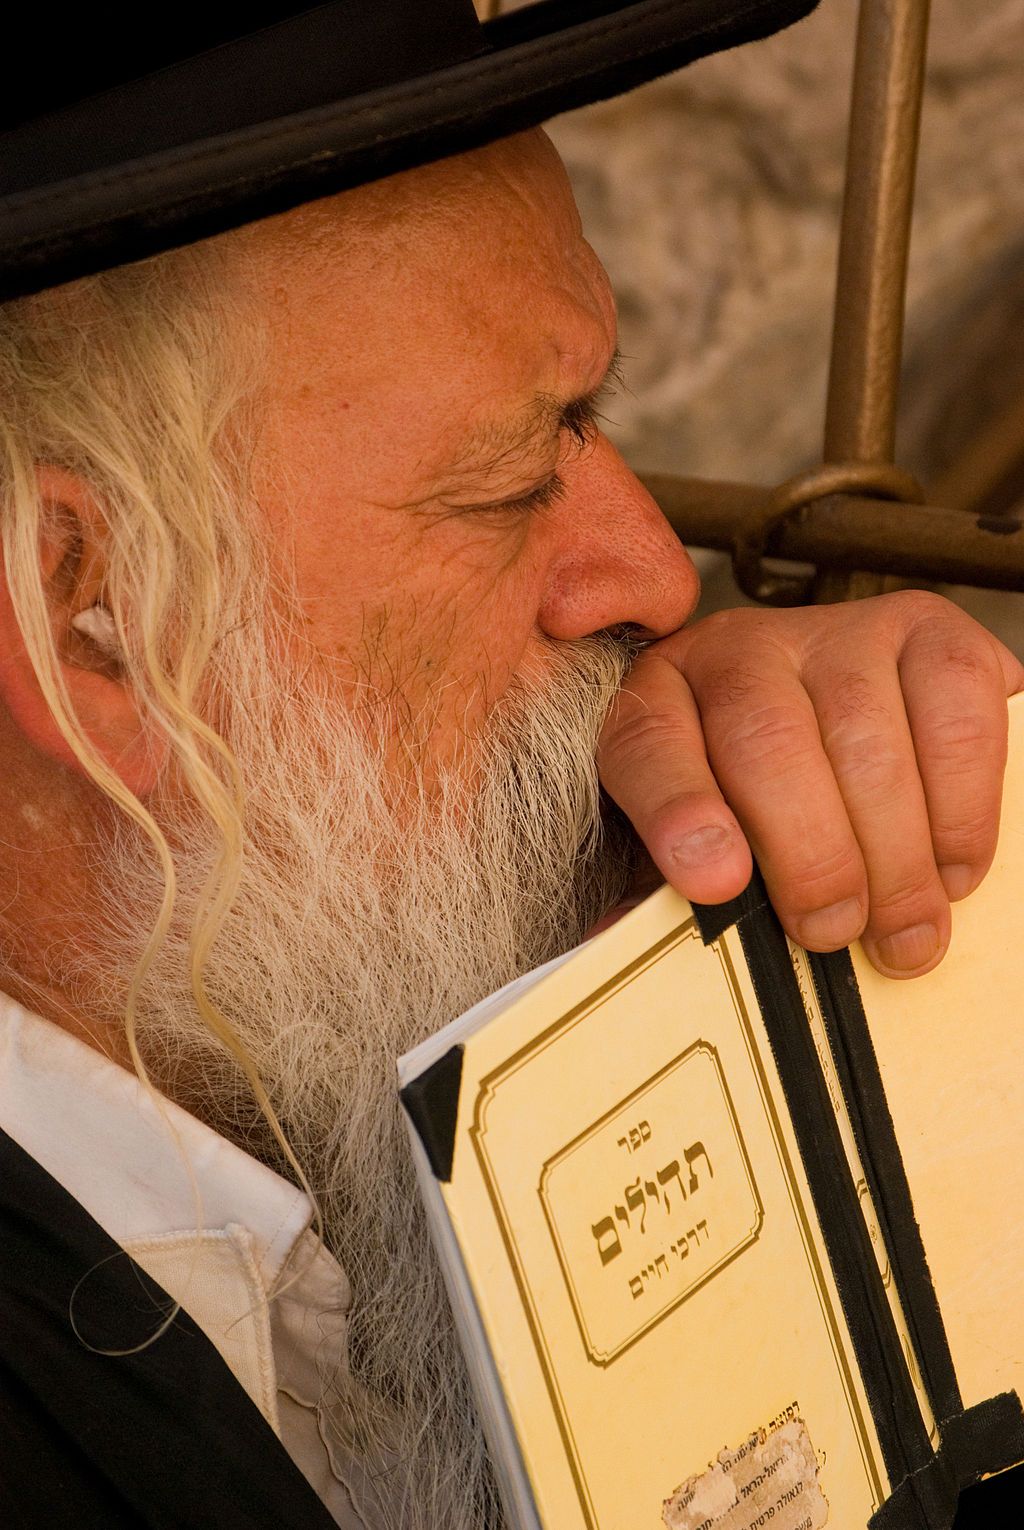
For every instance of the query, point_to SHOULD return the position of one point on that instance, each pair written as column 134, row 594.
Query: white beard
column 360, row 927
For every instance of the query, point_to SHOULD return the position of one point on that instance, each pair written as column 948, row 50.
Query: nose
column 615, row 560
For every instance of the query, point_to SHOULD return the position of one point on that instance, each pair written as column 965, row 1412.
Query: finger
column 766, row 751
column 955, row 681
column 652, row 761
column 1010, row 667
column 868, row 740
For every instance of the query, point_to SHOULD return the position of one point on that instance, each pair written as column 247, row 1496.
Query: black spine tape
column 432, row 1105
column 901, row 1433
column 713, row 919
column 861, row 1082
column 988, row 1437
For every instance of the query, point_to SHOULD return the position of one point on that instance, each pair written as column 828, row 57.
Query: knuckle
column 728, row 685
column 970, row 837
column 964, row 735
column 870, row 765
column 970, row 661
column 639, row 733
column 923, row 609
column 914, row 897
column 959, row 644
column 853, row 699
column 733, row 654
column 772, row 735
column 824, row 881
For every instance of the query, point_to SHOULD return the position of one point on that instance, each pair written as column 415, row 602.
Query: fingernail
column 836, row 925
column 958, row 881
column 702, row 846
column 908, row 949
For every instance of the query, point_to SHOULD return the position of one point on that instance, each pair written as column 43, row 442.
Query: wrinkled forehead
column 470, row 253
column 519, row 181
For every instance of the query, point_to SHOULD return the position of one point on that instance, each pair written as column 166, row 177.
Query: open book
column 733, row 1233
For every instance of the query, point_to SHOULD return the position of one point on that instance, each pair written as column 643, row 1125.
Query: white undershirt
column 213, row 1226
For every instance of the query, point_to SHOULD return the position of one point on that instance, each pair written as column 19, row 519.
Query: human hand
column 858, row 750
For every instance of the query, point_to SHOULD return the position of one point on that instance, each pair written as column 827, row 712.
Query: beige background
column 713, row 198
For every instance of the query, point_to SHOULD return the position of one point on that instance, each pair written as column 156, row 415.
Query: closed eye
column 579, row 420
column 541, row 498
column 575, row 425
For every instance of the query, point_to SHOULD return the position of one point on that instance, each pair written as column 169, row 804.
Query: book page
column 951, row 1051
column 642, row 1248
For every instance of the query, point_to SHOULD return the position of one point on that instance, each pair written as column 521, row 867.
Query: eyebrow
column 502, row 443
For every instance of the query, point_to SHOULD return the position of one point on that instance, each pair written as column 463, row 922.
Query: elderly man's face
column 437, row 344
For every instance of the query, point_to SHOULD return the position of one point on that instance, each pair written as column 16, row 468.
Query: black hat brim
column 542, row 60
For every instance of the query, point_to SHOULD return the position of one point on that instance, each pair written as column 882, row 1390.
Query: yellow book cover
column 682, row 1224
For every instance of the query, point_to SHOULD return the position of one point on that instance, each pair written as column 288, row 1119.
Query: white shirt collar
column 125, row 1156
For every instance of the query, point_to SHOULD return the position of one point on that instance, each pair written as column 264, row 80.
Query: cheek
column 455, row 638
column 430, row 622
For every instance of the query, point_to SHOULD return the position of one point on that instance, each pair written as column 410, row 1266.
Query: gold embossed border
column 749, row 1236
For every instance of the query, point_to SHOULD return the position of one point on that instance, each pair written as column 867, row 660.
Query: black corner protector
column 432, row 1104
column 986, row 1438
column 713, row 919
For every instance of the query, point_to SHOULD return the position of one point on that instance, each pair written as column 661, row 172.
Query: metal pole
column 867, row 336
column 843, row 532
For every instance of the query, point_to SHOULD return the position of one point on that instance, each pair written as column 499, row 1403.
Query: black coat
column 161, row 1437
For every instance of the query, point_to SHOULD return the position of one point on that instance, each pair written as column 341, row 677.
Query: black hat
column 125, row 131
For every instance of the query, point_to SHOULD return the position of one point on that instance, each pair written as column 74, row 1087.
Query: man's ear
column 72, row 564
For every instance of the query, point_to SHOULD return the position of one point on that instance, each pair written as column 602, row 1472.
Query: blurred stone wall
column 713, row 199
